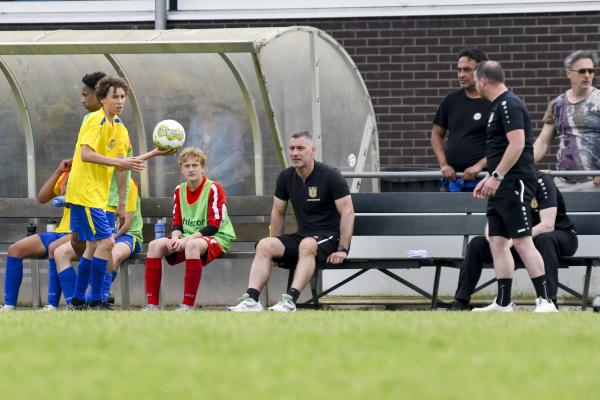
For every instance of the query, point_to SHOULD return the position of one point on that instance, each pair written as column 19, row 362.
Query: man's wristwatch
column 342, row 248
column 496, row 175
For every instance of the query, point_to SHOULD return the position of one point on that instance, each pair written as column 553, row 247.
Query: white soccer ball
column 168, row 135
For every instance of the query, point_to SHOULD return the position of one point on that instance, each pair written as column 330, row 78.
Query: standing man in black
column 509, row 188
column 553, row 235
column 323, row 208
column 462, row 116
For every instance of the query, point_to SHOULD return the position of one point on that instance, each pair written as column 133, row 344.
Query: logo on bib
column 477, row 116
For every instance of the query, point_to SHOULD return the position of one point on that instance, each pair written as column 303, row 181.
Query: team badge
column 312, row 192
column 477, row 116
column 534, row 203
column 111, row 144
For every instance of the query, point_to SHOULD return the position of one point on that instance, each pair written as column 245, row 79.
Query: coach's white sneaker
column 6, row 308
column 184, row 308
column 285, row 304
column 48, row 308
column 543, row 305
column 150, row 308
column 495, row 307
column 247, row 304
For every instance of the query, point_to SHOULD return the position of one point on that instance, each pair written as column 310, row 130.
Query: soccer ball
column 168, row 135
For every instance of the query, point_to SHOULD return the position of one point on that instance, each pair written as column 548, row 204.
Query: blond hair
column 192, row 152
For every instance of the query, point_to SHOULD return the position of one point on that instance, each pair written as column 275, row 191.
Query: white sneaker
column 48, row 308
column 495, row 307
column 150, row 308
column 543, row 305
column 285, row 304
column 184, row 308
column 596, row 303
column 247, row 304
column 6, row 308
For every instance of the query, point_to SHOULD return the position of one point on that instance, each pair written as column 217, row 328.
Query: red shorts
column 214, row 251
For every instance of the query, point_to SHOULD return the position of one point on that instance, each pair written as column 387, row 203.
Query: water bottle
column 159, row 229
column 31, row 228
column 51, row 225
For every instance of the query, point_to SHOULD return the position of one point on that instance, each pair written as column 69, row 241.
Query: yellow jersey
column 65, row 221
column 89, row 182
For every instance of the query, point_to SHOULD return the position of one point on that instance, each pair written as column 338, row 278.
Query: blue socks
column 83, row 278
column 54, row 290
column 98, row 271
column 12, row 282
column 67, row 278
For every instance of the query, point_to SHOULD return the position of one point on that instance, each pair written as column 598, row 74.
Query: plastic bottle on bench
column 159, row 229
column 51, row 225
column 31, row 228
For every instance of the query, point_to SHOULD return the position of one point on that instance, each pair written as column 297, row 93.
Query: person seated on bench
column 553, row 235
column 40, row 245
column 202, row 230
column 325, row 216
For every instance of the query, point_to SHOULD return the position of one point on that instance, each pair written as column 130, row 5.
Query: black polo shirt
column 547, row 195
column 509, row 113
column 313, row 201
column 466, row 121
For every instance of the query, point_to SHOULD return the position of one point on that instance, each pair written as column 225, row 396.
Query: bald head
column 491, row 71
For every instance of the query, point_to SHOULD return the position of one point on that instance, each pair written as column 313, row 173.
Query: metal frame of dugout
column 338, row 113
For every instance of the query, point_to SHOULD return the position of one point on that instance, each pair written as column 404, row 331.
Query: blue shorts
column 90, row 223
column 110, row 217
column 130, row 241
column 48, row 237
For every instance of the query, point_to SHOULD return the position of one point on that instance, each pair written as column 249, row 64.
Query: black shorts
column 327, row 243
column 509, row 211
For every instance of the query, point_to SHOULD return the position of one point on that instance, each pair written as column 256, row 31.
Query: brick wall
column 408, row 64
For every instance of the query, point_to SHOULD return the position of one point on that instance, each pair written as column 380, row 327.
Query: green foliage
column 322, row 354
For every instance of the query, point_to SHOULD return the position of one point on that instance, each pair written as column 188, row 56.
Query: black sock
column 504, row 289
column 253, row 293
column 539, row 283
column 462, row 301
column 295, row 293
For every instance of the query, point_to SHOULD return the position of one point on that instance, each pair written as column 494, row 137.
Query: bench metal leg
column 337, row 285
column 124, row 280
column 573, row 292
column 484, row 285
column 290, row 279
column 314, row 282
column 161, row 297
column 586, row 286
column 36, row 298
column 436, row 285
column 406, row 283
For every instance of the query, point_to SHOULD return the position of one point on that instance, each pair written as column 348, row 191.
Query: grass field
column 309, row 354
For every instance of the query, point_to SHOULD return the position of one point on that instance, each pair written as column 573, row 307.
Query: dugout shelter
column 239, row 93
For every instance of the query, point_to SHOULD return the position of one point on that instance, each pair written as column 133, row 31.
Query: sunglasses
column 582, row 71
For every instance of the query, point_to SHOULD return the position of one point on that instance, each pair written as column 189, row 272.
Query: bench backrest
column 417, row 213
column 377, row 214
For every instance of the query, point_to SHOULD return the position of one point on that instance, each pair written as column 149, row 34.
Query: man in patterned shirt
column 574, row 117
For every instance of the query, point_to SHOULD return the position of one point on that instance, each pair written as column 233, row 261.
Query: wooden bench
column 383, row 220
column 441, row 223
column 249, row 214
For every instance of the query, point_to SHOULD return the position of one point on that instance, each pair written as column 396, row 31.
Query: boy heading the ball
column 202, row 230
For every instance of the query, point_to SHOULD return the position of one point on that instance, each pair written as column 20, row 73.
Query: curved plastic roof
column 239, row 93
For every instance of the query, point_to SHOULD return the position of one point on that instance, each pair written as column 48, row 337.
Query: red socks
column 193, row 274
column 153, row 277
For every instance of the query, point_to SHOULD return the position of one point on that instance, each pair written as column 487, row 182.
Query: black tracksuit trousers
column 551, row 246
